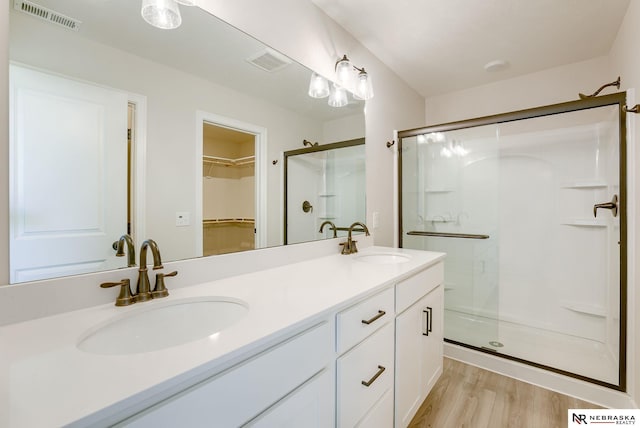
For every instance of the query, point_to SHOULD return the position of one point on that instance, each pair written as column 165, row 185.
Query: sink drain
column 496, row 344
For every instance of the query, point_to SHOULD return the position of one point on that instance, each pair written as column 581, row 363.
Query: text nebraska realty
column 605, row 419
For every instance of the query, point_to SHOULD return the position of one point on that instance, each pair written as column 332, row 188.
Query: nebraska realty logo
column 582, row 417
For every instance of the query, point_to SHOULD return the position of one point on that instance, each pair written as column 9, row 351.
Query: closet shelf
column 227, row 220
column 215, row 160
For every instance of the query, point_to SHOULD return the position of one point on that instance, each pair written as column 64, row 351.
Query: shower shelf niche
column 586, row 309
column 579, row 222
column 437, row 190
column 586, row 184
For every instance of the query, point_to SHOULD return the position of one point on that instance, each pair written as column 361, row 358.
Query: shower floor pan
column 572, row 354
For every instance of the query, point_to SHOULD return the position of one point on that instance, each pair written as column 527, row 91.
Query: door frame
column 260, row 193
column 619, row 99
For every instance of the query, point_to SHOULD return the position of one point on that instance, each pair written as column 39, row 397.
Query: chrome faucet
column 131, row 252
column 333, row 227
column 143, row 292
column 349, row 247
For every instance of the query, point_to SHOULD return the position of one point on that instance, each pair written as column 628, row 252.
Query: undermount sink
column 158, row 327
column 383, row 258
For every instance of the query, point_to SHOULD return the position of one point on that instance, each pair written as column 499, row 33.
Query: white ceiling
column 438, row 46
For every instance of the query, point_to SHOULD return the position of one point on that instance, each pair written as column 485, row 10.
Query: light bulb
column 338, row 96
column 343, row 71
column 162, row 14
column 364, row 88
column 318, row 86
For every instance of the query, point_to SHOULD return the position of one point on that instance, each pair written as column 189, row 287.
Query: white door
column 68, row 175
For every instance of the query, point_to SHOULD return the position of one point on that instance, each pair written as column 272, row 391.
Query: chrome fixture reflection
column 318, row 86
column 164, row 14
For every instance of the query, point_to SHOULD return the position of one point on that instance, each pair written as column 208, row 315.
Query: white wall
column 303, row 32
column 625, row 61
column 551, row 86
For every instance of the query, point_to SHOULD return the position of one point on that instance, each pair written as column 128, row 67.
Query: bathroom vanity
column 334, row 341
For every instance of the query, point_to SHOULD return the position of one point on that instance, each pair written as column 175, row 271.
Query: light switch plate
column 182, row 218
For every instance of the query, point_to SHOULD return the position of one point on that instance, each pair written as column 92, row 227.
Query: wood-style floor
column 467, row 396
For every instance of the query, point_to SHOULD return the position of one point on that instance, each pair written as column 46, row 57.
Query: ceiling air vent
column 269, row 60
column 45, row 14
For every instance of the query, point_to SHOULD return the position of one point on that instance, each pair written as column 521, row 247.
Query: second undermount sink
column 383, row 258
column 162, row 326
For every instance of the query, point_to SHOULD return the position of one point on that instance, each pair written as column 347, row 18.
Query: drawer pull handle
column 377, row 317
column 375, row 376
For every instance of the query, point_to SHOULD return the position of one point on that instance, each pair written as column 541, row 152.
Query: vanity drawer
column 372, row 357
column 235, row 396
column 412, row 289
column 359, row 321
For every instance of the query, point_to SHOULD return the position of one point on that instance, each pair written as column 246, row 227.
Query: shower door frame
column 618, row 99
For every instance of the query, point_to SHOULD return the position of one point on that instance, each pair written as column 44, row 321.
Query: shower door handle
column 613, row 206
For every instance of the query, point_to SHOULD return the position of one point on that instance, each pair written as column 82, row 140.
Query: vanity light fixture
column 318, row 86
column 363, row 87
column 163, row 14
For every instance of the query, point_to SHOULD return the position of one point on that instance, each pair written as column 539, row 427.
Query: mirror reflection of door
column 228, row 190
column 68, row 165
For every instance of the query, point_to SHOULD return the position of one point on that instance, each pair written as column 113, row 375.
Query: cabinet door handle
column 377, row 317
column 428, row 315
column 375, row 376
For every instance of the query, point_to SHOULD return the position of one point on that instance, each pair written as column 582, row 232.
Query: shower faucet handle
column 613, row 205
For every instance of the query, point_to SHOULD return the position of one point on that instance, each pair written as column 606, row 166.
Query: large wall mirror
column 119, row 127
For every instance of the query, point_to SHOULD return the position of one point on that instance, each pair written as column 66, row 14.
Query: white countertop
column 46, row 381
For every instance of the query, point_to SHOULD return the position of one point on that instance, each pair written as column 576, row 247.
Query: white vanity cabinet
column 419, row 340
column 296, row 374
column 365, row 366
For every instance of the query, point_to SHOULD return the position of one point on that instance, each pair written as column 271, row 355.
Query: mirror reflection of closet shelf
column 215, row 160
column 227, row 221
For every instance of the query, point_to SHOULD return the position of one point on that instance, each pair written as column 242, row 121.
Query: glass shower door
column 450, row 204
column 530, row 208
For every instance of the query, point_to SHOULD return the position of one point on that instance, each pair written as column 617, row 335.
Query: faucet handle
column 124, row 298
column 160, row 290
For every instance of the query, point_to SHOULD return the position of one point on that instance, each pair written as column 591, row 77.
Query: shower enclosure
column 530, row 208
column 323, row 183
